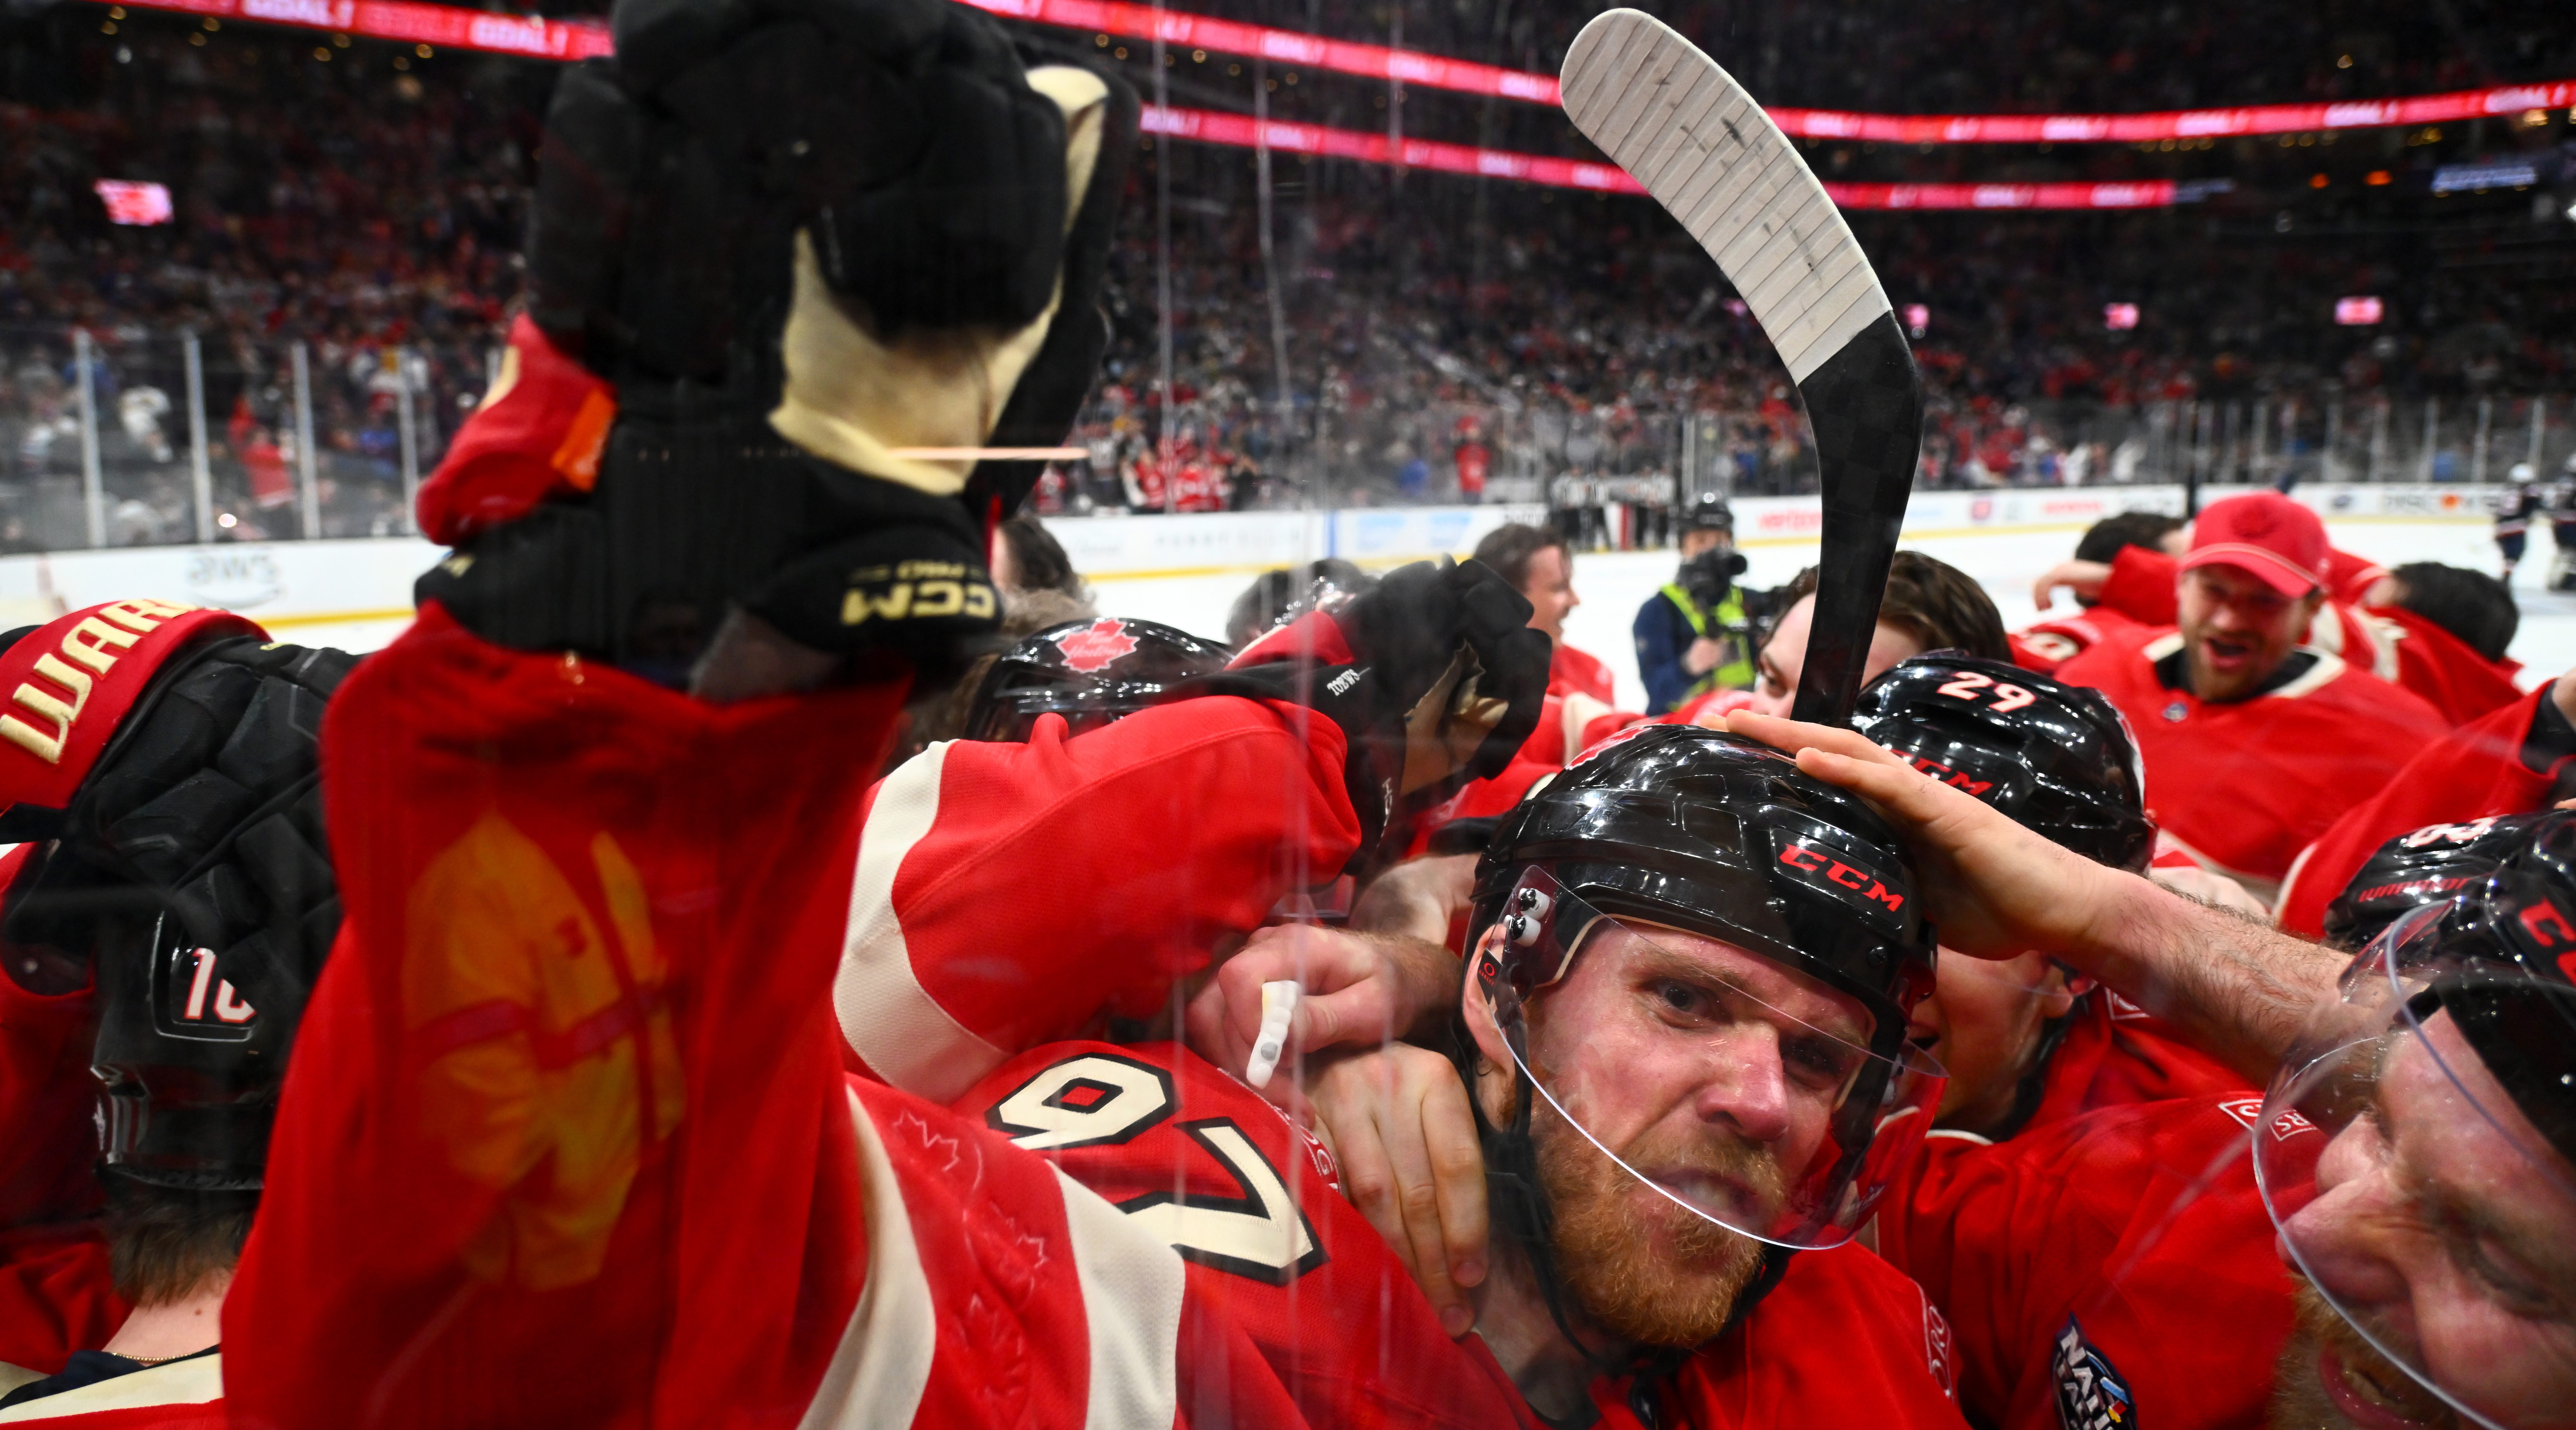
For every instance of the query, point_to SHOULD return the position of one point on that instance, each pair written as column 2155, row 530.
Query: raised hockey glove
column 1433, row 677
column 805, row 252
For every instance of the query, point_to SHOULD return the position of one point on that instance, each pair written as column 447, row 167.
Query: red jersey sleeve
column 568, row 1092
column 2439, row 666
column 1007, row 895
column 2142, row 586
column 54, row 1292
column 2476, row 770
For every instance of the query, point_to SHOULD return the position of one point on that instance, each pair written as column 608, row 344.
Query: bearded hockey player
column 2415, row 1091
column 2439, row 631
column 165, row 922
column 2255, row 741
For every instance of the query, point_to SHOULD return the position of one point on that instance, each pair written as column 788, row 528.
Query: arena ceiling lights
column 532, row 37
column 1134, row 21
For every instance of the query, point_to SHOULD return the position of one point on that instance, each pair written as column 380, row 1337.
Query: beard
column 1640, row 1267
column 2299, row 1398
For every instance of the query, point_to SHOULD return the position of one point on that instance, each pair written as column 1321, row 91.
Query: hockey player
column 2514, row 761
column 2515, row 506
column 1090, row 673
column 2045, row 645
column 166, row 924
column 2255, row 742
column 2413, row 1151
column 2439, row 631
column 1929, row 605
column 2562, row 529
column 582, row 1058
column 1696, row 634
column 1538, row 564
column 2024, row 1043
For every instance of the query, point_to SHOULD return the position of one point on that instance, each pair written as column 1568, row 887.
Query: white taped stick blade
column 1681, row 126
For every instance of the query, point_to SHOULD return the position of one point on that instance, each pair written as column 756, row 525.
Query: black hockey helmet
column 1673, row 827
column 2507, row 960
column 189, row 869
column 1707, row 512
column 2447, row 1054
column 1090, row 672
column 1712, row 833
column 2058, row 758
column 2432, row 865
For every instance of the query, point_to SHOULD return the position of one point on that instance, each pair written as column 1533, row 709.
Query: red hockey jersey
column 2112, row 1271
column 2244, row 786
column 2115, row 1054
column 2043, row 646
column 2475, row 771
column 54, row 1292
column 2390, row 642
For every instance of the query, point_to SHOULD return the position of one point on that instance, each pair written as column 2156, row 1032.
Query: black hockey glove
column 1433, row 677
column 203, row 813
column 805, row 245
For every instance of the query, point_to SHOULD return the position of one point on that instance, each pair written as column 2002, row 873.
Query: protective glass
column 2431, row 1217
column 1827, row 1120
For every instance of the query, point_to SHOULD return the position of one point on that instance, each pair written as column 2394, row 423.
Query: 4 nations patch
column 2091, row 1395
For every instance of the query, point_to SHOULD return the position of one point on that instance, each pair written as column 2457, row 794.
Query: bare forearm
column 2236, row 988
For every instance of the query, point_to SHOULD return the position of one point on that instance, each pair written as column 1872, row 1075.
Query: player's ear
column 1472, row 1005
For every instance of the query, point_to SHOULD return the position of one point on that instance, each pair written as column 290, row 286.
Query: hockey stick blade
column 1686, row 130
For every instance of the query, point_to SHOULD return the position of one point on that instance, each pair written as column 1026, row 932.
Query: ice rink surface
column 1613, row 585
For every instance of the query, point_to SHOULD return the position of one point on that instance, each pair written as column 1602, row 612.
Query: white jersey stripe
column 890, row 1020
column 1131, row 1297
column 195, row 1381
column 877, row 1375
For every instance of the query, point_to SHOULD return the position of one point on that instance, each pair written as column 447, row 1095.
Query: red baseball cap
column 2265, row 533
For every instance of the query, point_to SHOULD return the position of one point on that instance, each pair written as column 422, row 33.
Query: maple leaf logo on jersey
column 1096, row 645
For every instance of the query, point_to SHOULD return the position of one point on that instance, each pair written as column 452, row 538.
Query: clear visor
column 1738, row 1089
column 2424, row 1209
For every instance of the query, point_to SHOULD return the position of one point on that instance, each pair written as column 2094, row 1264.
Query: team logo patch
column 2091, row 1395
column 1096, row 645
column 2249, row 1111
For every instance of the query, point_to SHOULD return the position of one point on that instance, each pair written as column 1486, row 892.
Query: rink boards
column 1186, row 570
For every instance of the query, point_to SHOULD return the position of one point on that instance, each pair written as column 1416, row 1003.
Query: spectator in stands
column 1537, row 562
column 1696, row 634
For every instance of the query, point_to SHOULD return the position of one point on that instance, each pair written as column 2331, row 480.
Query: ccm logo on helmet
column 1956, row 779
column 1860, row 881
column 92, row 648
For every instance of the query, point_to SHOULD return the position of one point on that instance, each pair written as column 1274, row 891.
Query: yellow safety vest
column 1732, row 629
